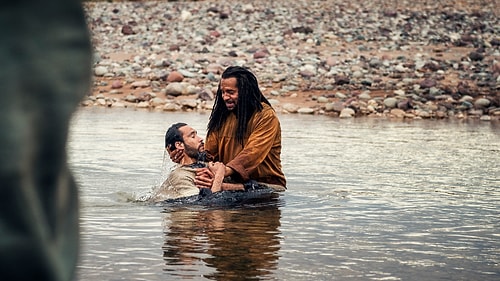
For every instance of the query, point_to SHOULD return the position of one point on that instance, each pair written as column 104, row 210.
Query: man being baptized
column 181, row 181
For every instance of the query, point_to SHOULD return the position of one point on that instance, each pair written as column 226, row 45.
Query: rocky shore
column 393, row 59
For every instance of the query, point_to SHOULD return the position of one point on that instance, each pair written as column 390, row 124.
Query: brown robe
column 259, row 157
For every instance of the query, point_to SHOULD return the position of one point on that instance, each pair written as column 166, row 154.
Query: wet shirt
column 180, row 183
column 259, row 158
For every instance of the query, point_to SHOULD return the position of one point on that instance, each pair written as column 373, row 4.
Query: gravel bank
column 396, row 59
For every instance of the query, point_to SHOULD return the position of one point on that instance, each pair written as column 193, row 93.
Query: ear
column 179, row 145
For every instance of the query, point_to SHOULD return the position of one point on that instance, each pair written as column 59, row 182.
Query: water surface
column 367, row 199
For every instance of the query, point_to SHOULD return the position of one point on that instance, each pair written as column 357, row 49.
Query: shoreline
column 388, row 118
column 344, row 61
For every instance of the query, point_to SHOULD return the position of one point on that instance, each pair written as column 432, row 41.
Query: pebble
column 305, row 110
column 347, row 113
column 180, row 48
column 175, row 76
column 100, row 70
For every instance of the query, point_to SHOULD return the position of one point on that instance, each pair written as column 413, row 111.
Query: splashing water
column 166, row 168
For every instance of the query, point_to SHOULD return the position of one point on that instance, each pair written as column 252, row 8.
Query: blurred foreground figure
column 45, row 59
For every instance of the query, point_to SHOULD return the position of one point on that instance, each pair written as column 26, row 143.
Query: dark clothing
column 45, row 58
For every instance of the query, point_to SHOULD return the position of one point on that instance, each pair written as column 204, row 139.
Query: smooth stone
column 305, row 110
column 398, row 113
column 189, row 103
column 482, row 103
column 390, row 102
column 347, row 113
column 140, row 84
column 142, row 104
column 340, row 95
column 118, row 104
column 365, row 96
column 100, row 70
column 322, row 99
column 171, row 107
column 176, row 88
column 175, row 76
column 291, row 108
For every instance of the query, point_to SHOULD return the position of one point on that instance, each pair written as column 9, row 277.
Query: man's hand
column 204, row 178
column 217, row 167
column 176, row 154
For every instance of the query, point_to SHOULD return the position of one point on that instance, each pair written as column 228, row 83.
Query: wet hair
column 249, row 101
column 173, row 135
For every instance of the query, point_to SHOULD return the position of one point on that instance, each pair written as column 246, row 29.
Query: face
column 193, row 143
column 229, row 92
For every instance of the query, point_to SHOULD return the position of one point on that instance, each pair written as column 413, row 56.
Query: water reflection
column 222, row 244
column 367, row 200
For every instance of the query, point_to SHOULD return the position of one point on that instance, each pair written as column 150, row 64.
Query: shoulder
column 182, row 178
column 266, row 116
column 181, row 172
column 267, row 111
column 266, row 107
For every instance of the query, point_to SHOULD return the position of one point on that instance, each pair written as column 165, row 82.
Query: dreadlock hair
column 173, row 135
column 249, row 101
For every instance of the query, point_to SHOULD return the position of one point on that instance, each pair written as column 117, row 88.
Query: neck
column 186, row 160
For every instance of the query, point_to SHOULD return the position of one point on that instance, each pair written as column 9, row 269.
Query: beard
column 192, row 152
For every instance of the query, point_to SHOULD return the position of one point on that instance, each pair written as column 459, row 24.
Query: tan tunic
column 180, row 183
column 260, row 156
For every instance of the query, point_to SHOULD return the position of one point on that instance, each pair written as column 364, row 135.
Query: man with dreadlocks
column 244, row 132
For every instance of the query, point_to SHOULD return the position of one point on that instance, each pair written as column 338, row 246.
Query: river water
column 367, row 199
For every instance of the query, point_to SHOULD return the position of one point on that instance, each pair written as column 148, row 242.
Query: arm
column 232, row 186
column 217, row 169
column 213, row 177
